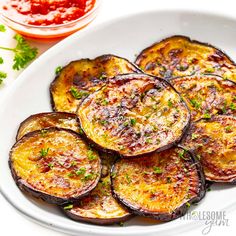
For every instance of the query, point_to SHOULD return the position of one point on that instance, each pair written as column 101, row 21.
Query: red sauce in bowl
column 47, row 12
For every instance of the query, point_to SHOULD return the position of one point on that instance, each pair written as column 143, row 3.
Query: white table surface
column 11, row 222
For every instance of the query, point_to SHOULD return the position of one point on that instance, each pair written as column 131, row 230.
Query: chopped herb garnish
column 3, row 75
column 198, row 157
column 68, row 207
column 78, row 94
column 113, row 175
column 73, row 163
column 154, row 107
column 91, row 155
column 170, row 103
column 224, row 108
column 209, row 70
column 209, row 151
column 81, row 171
column 50, row 165
column 24, row 53
column 148, row 140
column 126, row 123
column 104, row 102
column 188, row 204
column 181, row 155
column 88, row 176
column 133, row 122
column 228, row 128
column 232, row 106
column 194, row 136
column 81, row 131
column 44, row 152
column 1, row 60
column 157, row 170
column 128, row 178
column 121, row 224
column 2, row 28
column 208, row 189
column 43, row 132
column 102, row 76
column 58, row 70
column 182, row 67
column 71, row 174
column 195, row 103
column 121, row 147
column 207, row 115
column 234, row 98
column 103, row 122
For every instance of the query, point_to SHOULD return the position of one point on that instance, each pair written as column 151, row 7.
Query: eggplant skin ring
column 207, row 95
column 214, row 142
column 162, row 185
column 180, row 56
column 99, row 207
column 46, row 120
column 134, row 114
column 80, row 78
column 55, row 165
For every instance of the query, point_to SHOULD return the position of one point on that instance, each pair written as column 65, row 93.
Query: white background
column 11, row 222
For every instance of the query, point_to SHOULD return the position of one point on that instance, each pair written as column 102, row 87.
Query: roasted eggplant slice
column 99, row 207
column 214, row 142
column 134, row 114
column 55, row 165
column 45, row 120
column 180, row 56
column 161, row 185
column 79, row 78
column 207, row 95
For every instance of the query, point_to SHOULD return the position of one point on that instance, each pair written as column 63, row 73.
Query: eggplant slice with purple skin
column 99, row 207
column 134, row 114
column 180, row 56
column 207, row 95
column 80, row 78
column 55, row 165
column 161, row 185
column 46, row 120
column 214, row 142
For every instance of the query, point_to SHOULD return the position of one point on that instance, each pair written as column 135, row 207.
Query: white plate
column 124, row 37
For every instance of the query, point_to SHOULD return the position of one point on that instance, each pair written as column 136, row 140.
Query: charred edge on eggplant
column 25, row 187
column 79, row 83
column 179, row 211
column 52, row 117
column 122, row 79
column 225, row 65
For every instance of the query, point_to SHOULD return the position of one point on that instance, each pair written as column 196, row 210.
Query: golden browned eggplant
column 207, row 95
column 161, row 185
column 55, row 165
column 180, row 56
column 79, row 78
column 99, row 207
column 48, row 119
column 214, row 142
column 134, row 114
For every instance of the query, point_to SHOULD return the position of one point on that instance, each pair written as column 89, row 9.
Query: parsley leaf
column 44, row 152
column 78, row 94
column 1, row 60
column 3, row 75
column 157, row 170
column 24, row 53
column 2, row 28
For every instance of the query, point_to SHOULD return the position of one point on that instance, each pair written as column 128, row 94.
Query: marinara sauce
column 47, row 12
